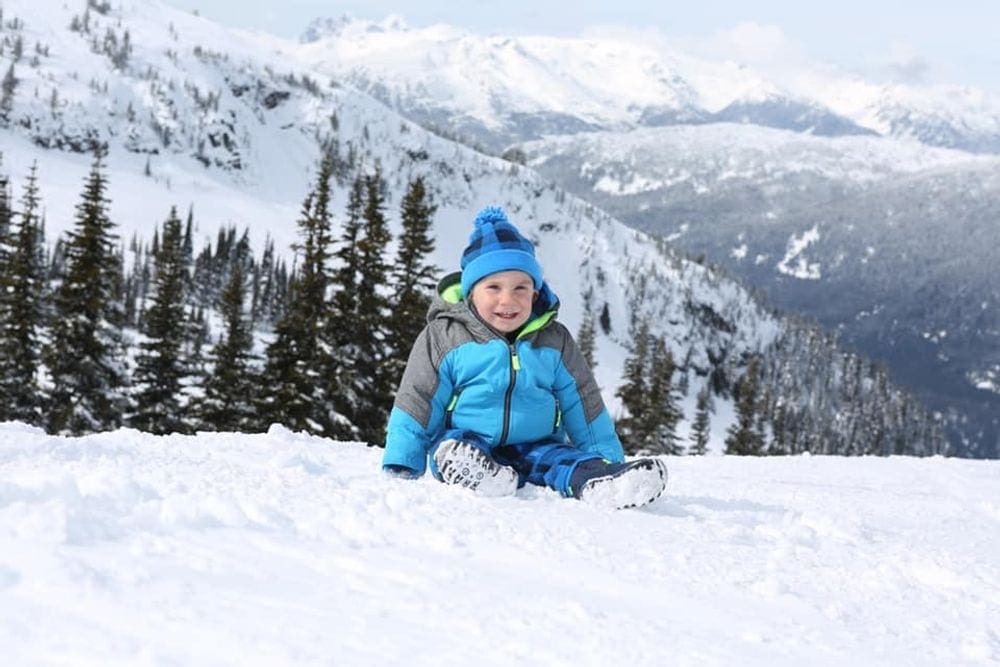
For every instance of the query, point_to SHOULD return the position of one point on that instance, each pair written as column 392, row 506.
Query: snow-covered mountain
column 281, row 549
column 230, row 123
column 499, row 90
column 196, row 115
column 841, row 198
column 891, row 243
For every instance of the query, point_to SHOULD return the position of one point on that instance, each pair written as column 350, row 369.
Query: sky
column 911, row 41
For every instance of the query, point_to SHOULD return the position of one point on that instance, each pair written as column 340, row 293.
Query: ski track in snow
column 282, row 548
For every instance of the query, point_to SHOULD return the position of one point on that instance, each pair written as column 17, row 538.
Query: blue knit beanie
column 496, row 245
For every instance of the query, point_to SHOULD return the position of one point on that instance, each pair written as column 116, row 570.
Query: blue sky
column 957, row 41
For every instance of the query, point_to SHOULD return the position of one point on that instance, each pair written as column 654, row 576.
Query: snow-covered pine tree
column 413, row 279
column 700, row 426
column 742, row 438
column 86, row 351
column 229, row 400
column 633, row 391
column 160, row 365
column 22, row 277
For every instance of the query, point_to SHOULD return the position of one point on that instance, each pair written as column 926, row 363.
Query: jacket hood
column 450, row 303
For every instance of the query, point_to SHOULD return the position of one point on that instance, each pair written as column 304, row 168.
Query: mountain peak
column 326, row 27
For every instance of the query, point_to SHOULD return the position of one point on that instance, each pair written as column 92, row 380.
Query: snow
column 283, row 548
column 793, row 263
column 608, row 77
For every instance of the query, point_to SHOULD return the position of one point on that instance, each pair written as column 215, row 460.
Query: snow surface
column 282, row 548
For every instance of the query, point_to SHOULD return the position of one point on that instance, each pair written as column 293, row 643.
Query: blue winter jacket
column 463, row 374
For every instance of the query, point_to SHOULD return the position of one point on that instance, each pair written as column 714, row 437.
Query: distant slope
column 890, row 243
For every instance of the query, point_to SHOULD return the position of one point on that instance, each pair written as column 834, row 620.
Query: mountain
column 200, row 116
column 282, row 548
column 868, row 207
column 499, row 90
column 891, row 244
column 229, row 125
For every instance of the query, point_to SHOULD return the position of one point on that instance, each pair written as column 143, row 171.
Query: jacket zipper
column 515, row 366
column 450, row 409
column 558, row 419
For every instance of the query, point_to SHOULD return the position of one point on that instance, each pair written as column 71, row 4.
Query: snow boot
column 618, row 485
column 467, row 465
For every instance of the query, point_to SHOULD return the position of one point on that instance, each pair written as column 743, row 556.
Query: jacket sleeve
column 585, row 416
column 417, row 416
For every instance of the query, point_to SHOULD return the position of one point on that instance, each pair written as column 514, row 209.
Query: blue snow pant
column 544, row 463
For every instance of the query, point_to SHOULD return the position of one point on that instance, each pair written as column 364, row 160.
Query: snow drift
column 283, row 548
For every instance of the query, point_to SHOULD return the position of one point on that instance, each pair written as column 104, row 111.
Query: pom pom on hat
column 491, row 215
column 496, row 245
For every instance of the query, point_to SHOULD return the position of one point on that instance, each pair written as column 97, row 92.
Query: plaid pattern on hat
column 496, row 245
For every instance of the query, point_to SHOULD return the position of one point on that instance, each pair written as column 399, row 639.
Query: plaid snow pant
column 544, row 463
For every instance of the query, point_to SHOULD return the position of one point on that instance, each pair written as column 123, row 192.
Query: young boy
column 494, row 385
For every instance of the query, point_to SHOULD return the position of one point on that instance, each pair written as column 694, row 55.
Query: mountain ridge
column 609, row 83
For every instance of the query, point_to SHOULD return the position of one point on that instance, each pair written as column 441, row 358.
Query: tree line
column 802, row 394
column 89, row 344
column 95, row 336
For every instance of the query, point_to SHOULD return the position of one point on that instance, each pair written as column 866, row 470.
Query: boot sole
column 634, row 487
column 467, row 466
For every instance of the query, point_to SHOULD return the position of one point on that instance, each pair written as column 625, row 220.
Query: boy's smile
column 504, row 299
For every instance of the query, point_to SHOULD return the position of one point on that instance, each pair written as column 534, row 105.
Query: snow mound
column 282, row 548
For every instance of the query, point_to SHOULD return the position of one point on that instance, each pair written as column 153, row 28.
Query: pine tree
column 86, row 352
column 187, row 247
column 160, row 365
column 6, row 204
column 262, row 287
column 340, row 329
column 413, row 279
column 586, row 339
column 633, row 392
column 661, row 413
column 345, row 279
column 8, row 88
column 298, row 360
column 22, row 277
column 369, row 377
column 742, row 437
column 6, row 252
column 230, row 389
column 700, row 426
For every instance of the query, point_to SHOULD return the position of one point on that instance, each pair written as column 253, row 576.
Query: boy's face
column 504, row 299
